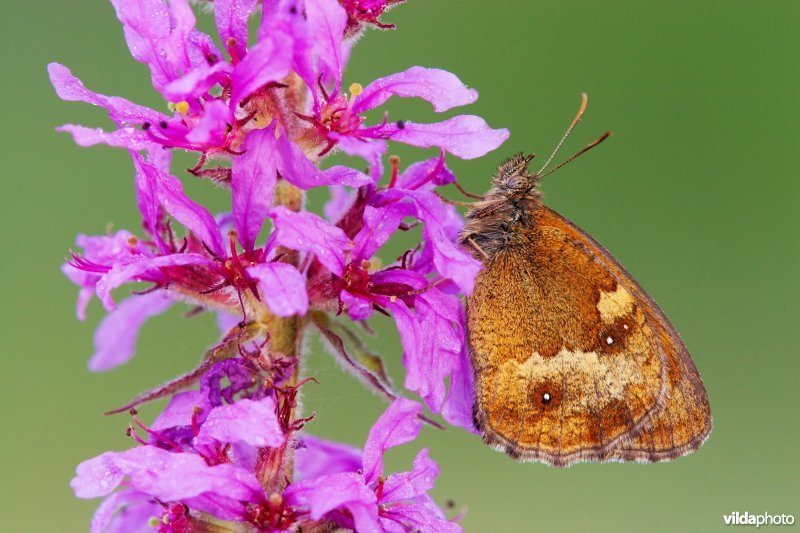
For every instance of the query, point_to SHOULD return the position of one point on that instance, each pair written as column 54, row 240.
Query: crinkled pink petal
column 170, row 476
column 210, row 131
column 157, row 34
column 126, row 137
column 419, row 514
column 308, row 232
column 193, row 216
column 450, row 224
column 431, row 342
column 121, row 111
column 326, row 22
column 250, row 421
column 268, row 61
column 441, row 88
column 115, row 337
column 197, row 81
column 147, row 199
column 341, row 200
column 426, row 175
column 319, row 457
column 282, row 287
column 231, row 18
column 138, row 267
column 125, row 511
column 464, row 136
column 380, row 223
column 346, row 490
column 405, row 485
column 179, row 410
column 296, row 168
column 457, row 408
column 358, row 307
column 451, row 261
column 399, row 424
column 252, row 180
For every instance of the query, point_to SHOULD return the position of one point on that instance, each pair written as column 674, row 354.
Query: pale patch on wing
column 592, row 381
column 614, row 305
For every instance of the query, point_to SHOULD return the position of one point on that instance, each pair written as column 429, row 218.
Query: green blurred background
column 696, row 194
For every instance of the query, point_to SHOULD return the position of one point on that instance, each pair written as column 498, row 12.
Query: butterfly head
column 513, row 178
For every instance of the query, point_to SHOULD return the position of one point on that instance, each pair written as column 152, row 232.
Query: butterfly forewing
column 573, row 361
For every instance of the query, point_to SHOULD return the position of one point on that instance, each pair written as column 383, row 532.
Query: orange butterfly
column 573, row 361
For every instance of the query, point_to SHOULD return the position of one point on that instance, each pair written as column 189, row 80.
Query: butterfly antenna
column 584, row 102
column 585, row 149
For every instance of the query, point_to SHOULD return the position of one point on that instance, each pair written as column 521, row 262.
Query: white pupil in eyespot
column 609, row 340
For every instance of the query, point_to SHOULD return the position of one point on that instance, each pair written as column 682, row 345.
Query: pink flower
column 261, row 112
column 366, row 500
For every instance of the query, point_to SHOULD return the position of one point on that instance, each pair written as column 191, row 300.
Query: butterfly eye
column 517, row 182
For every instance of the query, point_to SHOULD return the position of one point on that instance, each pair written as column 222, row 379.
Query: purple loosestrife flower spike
column 261, row 113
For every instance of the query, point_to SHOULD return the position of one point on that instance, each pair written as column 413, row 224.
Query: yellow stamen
column 355, row 89
column 182, row 107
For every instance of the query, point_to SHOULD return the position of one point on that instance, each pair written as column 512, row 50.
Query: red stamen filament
column 395, row 162
column 152, row 432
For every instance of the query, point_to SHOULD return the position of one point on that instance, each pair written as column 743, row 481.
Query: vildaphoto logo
column 764, row 519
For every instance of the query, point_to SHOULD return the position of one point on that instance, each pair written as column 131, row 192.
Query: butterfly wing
column 573, row 360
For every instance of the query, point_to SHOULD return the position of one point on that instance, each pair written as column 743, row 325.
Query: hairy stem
column 274, row 467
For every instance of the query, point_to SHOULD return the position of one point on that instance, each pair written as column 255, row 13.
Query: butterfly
column 572, row 360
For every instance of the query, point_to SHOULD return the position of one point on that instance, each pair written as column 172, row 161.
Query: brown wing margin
column 683, row 422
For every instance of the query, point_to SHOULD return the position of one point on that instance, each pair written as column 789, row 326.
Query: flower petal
column 358, row 307
column 179, row 410
column 231, row 18
column 457, row 408
column 252, row 181
column 432, row 341
column 451, row 260
column 327, row 493
column 268, row 61
column 326, row 24
column 400, row 423
column 379, row 224
column 308, row 232
column 115, row 338
column 127, row 137
column 170, row 476
column 318, row 457
column 295, row 168
column 426, row 174
column 157, row 34
column 137, row 267
column 464, row 136
column 406, row 485
column 212, row 127
column 126, row 511
column 282, row 287
column 121, row 111
column 441, row 88
column 248, row 421
column 197, row 81
column 339, row 204
column 193, row 216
